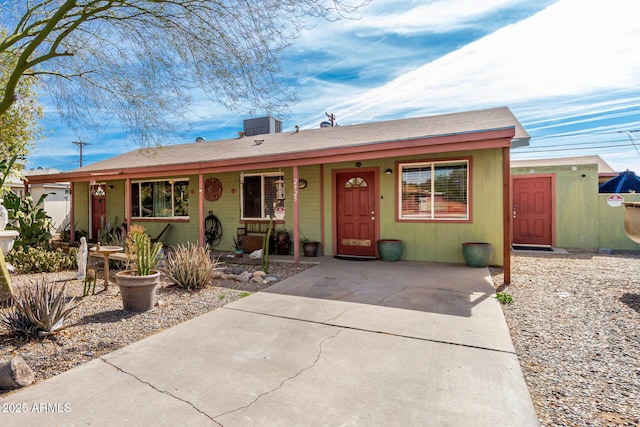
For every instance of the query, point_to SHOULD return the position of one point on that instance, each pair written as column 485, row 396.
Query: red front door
column 532, row 219
column 355, row 213
column 98, row 209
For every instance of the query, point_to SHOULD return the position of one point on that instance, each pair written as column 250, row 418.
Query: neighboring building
column 556, row 203
column 57, row 204
column 432, row 182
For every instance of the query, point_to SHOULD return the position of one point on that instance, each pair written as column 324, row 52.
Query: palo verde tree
column 19, row 128
column 142, row 60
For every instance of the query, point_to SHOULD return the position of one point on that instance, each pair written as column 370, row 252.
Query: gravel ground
column 99, row 325
column 575, row 325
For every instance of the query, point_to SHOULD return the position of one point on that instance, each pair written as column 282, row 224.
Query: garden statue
column 81, row 258
column 4, row 216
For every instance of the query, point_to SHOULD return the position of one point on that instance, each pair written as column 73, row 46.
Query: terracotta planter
column 389, row 249
column 282, row 250
column 310, row 248
column 138, row 292
column 477, row 254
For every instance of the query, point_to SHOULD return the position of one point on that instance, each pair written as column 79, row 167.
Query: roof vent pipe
column 200, row 139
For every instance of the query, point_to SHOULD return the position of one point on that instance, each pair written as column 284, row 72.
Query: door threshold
column 532, row 248
column 355, row 257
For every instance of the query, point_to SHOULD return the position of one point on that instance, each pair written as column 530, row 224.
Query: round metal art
column 212, row 189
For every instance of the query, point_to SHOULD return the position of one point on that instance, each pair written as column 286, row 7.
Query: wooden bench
column 252, row 234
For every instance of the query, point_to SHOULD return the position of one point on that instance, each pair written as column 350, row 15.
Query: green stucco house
column 432, row 182
column 556, row 203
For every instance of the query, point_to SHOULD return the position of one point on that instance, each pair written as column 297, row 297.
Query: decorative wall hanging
column 212, row 189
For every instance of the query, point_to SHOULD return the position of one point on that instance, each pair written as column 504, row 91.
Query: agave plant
column 190, row 266
column 39, row 310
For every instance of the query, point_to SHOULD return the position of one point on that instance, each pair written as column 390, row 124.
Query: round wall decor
column 212, row 189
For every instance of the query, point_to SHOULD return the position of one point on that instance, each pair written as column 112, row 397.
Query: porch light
column 99, row 191
column 388, row 172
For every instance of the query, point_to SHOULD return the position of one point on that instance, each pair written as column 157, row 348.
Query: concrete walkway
column 345, row 343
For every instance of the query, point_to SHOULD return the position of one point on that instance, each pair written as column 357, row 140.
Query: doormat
column 355, row 258
column 532, row 248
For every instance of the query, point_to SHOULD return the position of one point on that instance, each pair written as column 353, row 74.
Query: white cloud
column 556, row 52
column 437, row 16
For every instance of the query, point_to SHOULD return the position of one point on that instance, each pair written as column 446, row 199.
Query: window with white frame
column 434, row 190
column 260, row 194
column 160, row 199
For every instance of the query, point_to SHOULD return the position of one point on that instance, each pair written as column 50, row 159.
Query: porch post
column 127, row 203
column 506, row 217
column 201, row 209
column 296, row 218
column 72, row 228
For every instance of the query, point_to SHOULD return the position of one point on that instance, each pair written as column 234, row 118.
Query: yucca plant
column 39, row 310
column 190, row 266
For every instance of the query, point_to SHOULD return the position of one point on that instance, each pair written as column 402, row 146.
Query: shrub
column 29, row 218
column 41, row 260
column 504, row 298
column 190, row 266
column 39, row 310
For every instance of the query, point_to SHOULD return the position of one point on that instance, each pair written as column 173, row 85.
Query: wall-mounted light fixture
column 358, row 164
column 388, row 172
column 99, row 191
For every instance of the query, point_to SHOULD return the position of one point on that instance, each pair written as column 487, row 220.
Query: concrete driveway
column 345, row 343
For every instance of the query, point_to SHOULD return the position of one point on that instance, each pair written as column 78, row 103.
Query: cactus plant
column 147, row 255
column 6, row 291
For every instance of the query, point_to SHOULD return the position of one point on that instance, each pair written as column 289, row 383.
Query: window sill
column 160, row 219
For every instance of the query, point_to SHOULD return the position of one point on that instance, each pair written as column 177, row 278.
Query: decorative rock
column 235, row 270
column 259, row 273
column 257, row 279
column 245, row 276
column 270, row 279
column 15, row 373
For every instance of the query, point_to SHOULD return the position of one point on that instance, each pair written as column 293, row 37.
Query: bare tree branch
column 142, row 59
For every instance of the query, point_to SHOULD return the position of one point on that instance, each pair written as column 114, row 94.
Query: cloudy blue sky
column 568, row 69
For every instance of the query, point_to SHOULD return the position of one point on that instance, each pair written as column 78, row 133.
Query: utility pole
column 80, row 144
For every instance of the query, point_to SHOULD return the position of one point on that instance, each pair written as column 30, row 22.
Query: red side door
column 355, row 213
column 532, row 217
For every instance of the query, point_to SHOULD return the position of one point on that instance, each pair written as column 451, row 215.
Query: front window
column 160, row 199
column 434, row 190
column 260, row 195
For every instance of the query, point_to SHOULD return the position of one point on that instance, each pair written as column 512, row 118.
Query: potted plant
column 282, row 241
column 477, row 254
column 138, row 285
column 310, row 247
column 237, row 245
column 389, row 249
